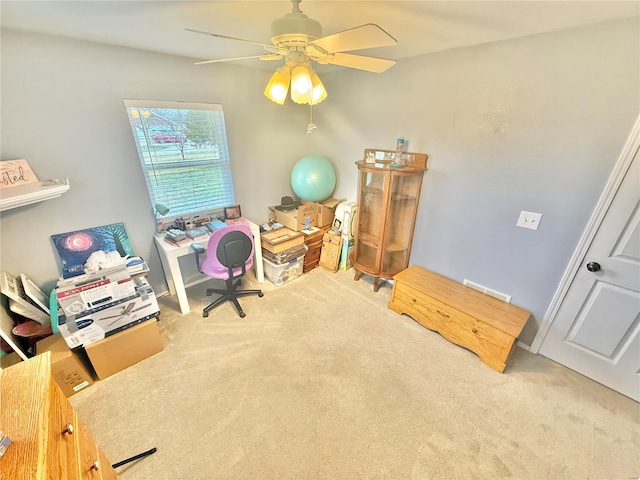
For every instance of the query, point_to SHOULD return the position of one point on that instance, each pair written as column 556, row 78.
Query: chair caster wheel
column 242, row 315
column 205, row 314
column 261, row 295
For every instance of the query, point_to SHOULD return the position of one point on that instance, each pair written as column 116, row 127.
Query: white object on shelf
column 32, row 193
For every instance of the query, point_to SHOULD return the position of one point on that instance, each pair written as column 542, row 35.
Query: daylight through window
column 183, row 153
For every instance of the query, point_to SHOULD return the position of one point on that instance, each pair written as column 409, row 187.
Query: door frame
column 606, row 198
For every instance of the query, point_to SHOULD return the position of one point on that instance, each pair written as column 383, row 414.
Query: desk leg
column 257, row 254
column 166, row 267
column 173, row 275
column 174, row 267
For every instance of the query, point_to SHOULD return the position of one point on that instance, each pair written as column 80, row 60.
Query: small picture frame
column 232, row 211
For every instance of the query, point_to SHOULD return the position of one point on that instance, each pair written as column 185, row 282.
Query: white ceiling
column 419, row 26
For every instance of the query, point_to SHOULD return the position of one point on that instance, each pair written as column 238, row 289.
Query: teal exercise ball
column 313, row 178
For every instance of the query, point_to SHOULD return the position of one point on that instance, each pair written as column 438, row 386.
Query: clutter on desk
column 198, row 234
column 215, row 225
column 232, row 212
column 176, row 234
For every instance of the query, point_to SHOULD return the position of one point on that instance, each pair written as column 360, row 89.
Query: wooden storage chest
column 485, row 325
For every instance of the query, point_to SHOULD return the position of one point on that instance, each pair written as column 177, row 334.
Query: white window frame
column 179, row 154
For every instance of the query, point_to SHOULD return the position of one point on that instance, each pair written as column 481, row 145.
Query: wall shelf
column 32, row 193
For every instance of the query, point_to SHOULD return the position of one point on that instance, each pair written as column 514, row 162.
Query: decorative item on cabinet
column 387, row 205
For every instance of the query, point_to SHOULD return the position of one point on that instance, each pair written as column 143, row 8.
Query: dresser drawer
column 63, row 433
column 49, row 440
column 312, row 256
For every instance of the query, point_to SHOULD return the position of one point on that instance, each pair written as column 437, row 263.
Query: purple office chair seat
column 228, row 256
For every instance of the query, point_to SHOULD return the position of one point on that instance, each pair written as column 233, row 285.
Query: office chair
column 228, row 256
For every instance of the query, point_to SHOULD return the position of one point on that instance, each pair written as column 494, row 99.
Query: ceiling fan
column 298, row 39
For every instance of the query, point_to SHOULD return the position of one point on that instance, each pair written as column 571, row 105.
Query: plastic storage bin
column 280, row 274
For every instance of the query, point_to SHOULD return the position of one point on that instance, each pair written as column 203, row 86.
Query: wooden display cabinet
column 388, row 197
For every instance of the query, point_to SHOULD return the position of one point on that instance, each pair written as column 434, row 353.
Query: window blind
column 183, row 152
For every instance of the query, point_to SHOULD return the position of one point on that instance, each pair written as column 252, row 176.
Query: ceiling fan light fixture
column 278, row 86
column 301, row 85
column 318, row 93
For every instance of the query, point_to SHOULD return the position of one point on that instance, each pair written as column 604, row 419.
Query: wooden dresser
column 48, row 440
column 485, row 325
column 313, row 242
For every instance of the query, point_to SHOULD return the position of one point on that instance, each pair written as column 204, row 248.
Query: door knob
column 593, row 266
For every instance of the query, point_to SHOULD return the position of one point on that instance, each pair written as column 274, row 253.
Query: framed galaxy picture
column 74, row 248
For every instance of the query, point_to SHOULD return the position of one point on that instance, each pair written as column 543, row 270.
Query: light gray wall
column 531, row 124
column 62, row 110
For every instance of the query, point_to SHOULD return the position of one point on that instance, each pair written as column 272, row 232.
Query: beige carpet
column 321, row 381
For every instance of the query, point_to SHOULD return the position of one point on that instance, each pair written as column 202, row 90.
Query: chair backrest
column 229, row 252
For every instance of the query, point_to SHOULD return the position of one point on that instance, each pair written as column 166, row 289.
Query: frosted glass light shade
column 318, row 93
column 278, row 86
column 301, row 87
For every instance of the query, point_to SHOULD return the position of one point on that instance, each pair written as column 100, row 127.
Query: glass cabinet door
column 385, row 215
column 399, row 222
column 370, row 205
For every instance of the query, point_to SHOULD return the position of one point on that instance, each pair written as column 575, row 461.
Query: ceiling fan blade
column 141, row 308
column 357, row 38
column 370, row 64
column 266, row 45
column 267, row 56
column 115, row 321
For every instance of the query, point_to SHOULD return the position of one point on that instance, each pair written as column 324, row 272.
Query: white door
column 596, row 331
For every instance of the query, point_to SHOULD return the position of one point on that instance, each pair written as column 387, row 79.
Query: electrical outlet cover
column 529, row 220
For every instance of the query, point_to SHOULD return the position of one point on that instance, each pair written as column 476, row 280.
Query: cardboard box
column 120, row 351
column 345, row 255
column 326, row 211
column 298, row 218
column 90, row 291
column 344, row 221
column 275, row 241
column 67, row 367
column 93, row 325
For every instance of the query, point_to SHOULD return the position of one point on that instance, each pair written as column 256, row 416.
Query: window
column 183, row 153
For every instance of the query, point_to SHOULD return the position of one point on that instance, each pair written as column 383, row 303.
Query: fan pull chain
column 311, row 125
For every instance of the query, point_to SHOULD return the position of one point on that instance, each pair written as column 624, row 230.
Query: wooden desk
column 169, row 255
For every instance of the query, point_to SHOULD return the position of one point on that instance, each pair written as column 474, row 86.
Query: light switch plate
column 529, row 220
